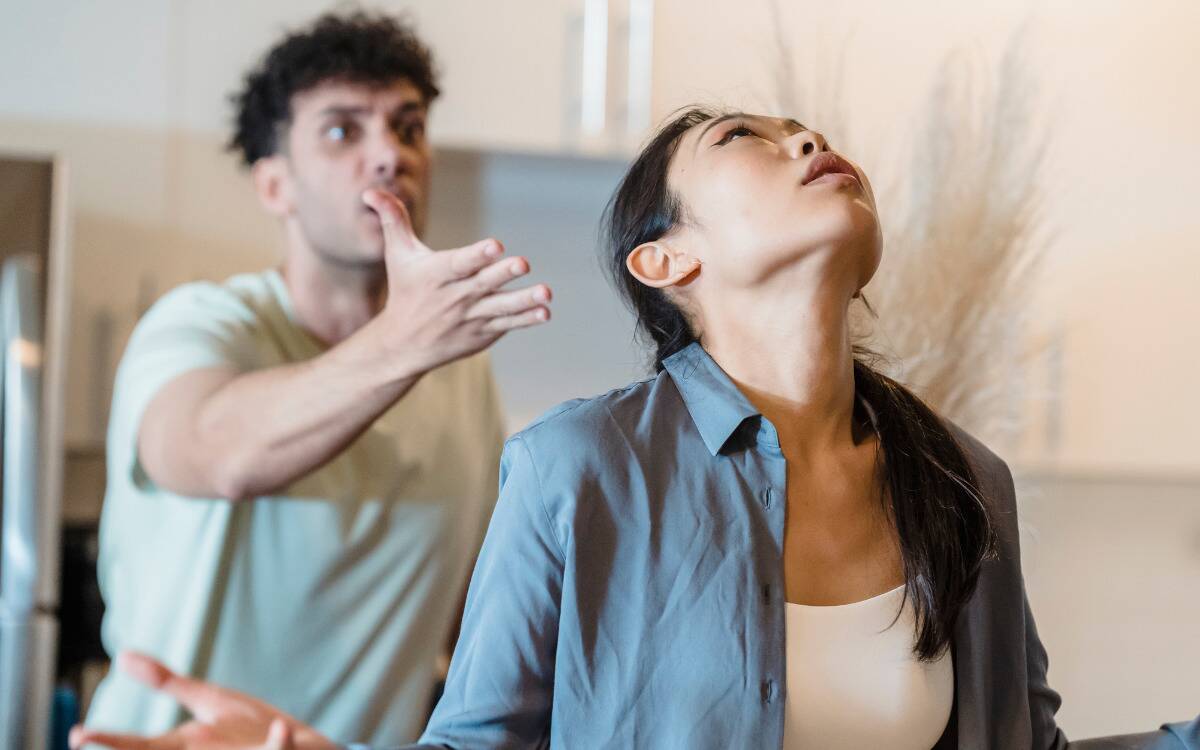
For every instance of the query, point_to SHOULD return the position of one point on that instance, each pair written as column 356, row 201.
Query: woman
column 766, row 545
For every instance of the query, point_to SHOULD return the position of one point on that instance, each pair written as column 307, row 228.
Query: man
column 302, row 461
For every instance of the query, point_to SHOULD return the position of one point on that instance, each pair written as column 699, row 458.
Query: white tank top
column 853, row 681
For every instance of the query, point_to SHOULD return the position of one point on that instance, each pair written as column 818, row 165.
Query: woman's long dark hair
column 940, row 518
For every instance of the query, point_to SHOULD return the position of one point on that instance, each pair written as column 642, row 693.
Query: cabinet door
column 509, row 70
column 506, row 68
column 712, row 54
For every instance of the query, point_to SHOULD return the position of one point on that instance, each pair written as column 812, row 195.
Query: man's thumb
column 394, row 220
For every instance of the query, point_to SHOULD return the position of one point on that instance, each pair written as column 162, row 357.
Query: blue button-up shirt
column 629, row 593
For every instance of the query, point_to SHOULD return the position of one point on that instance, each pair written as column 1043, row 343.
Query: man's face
column 343, row 139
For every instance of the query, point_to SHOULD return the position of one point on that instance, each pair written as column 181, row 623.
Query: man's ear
column 273, row 183
column 658, row 265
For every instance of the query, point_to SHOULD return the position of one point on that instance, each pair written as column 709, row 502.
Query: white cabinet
column 557, row 76
column 507, row 70
column 512, row 72
column 712, row 54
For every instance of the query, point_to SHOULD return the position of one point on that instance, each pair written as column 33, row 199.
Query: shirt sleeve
column 195, row 326
column 500, row 686
column 1043, row 700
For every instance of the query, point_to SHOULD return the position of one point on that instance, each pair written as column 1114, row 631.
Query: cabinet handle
column 641, row 50
column 594, row 86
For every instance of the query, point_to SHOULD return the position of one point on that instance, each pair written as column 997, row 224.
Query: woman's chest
column 839, row 544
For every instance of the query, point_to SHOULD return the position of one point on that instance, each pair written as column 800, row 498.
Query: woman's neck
column 790, row 354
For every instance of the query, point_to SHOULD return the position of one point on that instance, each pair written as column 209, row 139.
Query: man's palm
column 223, row 719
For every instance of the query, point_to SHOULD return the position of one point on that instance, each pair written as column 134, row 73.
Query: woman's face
column 765, row 198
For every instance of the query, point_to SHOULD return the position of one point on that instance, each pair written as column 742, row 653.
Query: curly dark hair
column 356, row 47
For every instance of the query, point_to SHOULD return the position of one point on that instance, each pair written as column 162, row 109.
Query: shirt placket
column 767, row 477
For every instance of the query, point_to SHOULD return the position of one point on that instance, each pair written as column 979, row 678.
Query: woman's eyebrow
column 712, row 124
column 799, row 126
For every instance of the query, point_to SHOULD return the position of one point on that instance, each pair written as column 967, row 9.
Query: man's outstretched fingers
column 203, row 700
column 81, row 735
column 490, row 278
column 279, row 736
column 465, row 262
column 397, row 226
column 511, row 303
column 526, row 319
column 145, row 669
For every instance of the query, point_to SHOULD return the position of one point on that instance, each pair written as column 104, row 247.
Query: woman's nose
column 806, row 142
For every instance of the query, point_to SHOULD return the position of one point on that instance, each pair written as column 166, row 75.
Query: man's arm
column 217, row 432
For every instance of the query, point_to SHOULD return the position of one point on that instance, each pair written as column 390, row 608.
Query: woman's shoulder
column 584, row 427
column 983, row 459
column 587, row 414
column 994, row 478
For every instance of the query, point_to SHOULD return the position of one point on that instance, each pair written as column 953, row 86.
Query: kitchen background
column 545, row 100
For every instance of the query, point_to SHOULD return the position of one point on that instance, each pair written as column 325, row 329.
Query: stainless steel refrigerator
column 34, row 294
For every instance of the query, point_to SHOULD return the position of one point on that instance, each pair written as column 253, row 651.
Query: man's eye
column 411, row 132
column 735, row 132
column 337, row 133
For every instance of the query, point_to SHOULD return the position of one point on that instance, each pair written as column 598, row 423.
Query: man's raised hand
column 447, row 304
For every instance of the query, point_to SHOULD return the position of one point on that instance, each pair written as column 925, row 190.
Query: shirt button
column 768, row 691
column 767, row 594
column 768, row 495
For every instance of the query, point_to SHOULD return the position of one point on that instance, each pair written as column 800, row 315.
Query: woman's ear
column 273, row 183
column 657, row 265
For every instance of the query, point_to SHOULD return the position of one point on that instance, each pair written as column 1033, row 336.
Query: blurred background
column 112, row 123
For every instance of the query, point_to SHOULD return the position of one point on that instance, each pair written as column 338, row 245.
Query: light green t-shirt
column 330, row 600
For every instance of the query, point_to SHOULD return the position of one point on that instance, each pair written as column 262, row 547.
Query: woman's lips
column 828, row 165
column 833, row 177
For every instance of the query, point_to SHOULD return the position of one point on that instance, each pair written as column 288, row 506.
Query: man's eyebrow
column 797, row 123
column 358, row 109
column 410, row 107
column 341, row 109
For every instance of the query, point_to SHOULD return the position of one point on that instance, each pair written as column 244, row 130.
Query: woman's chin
column 850, row 232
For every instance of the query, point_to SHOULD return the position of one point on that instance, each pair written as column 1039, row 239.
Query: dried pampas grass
column 963, row 241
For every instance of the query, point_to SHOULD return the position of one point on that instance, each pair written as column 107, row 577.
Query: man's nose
column 805, row 142
column 391, row 156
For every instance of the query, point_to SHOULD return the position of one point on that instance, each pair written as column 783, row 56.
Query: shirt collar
column 716, row 405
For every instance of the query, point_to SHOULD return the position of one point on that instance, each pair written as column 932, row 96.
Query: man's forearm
column 268, row 428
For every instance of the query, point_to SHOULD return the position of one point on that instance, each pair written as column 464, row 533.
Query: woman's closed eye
column 735, row 132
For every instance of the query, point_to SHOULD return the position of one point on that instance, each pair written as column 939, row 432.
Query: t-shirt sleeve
column 195, row 326
column 494, row 428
